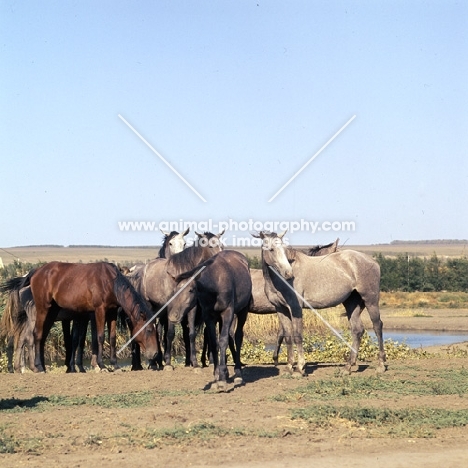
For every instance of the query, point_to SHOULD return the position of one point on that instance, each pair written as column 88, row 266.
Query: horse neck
column 128, row 298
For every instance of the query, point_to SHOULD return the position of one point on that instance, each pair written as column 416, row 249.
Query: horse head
column 274, row 253
column 213, row 241
column 173, row 242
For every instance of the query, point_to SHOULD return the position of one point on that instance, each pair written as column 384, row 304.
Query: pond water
column 416, row 339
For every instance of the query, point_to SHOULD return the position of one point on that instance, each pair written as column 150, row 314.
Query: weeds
column 413, row 422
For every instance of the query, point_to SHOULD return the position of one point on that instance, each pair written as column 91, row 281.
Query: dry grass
column 265, row 327
column 429, row 300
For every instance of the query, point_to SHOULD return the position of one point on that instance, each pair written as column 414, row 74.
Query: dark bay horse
column 156, row 283
column 223, row 289
column 344, row 277
column 98, row 287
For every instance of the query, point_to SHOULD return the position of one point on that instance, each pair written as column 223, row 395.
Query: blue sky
column 237, row 96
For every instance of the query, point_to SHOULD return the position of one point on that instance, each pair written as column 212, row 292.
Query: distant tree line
column 407, row 273
column 401, row 273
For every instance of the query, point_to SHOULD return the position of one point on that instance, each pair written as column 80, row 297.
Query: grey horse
column 345, row 277
column 260, row 303
column 155, row 282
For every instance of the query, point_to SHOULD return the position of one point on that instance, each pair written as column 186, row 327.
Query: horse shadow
column 17, row 403
column 311, row 367
column 255, row 373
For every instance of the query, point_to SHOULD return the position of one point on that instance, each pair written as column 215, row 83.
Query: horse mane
column 136, row 278
column 189, row 273
column 316, row 249
column 209, row 234
column 291, row 253
column 128, row 298
column 165, row 240
column 186, row 260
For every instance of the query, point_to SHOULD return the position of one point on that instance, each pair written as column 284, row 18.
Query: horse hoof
column 168, row 368
column 346, row 371
column 221, row 386
column 238, row 381
column 381, row 368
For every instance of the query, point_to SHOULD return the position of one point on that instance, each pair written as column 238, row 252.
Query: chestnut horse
column 98, row 287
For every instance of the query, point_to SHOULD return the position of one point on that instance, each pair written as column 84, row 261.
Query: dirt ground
column 116, row 435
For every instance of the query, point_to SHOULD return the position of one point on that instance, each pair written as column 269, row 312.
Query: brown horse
column 98, row 287
column 17, row 326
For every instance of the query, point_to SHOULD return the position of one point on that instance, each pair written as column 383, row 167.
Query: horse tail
column 127, row 297
column 15, row 284
column 7, row 322
column 199, row 322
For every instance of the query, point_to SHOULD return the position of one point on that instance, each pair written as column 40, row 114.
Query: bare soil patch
column 175, row 419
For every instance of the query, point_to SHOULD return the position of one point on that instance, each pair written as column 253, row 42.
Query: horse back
column 227, row 276
column 75, row 286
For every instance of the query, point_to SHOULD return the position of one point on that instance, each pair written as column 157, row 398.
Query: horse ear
column 186, row 232
column 221, row 233
column 165, row 233
column 282, row 234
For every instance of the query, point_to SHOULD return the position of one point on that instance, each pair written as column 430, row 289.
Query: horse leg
column 186, row 337
column 169, row 335
column 94, row 341
column 239, row 338
column 136, row 357
column 205, row 350
column 79, row 339
column 11, row 354
column 354, row 306
column 232, row 339
column 100, row 314
column 286, row 326
column 111, row 320
column 279, row 341
column 45, row 318
column 221, row 372
column 374, row 314
column 192, row 335
column 69, row 345
column 27, row 339
column 296, row 315
column 210, row 330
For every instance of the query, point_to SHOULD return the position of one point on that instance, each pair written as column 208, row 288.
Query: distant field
column 143, row 254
